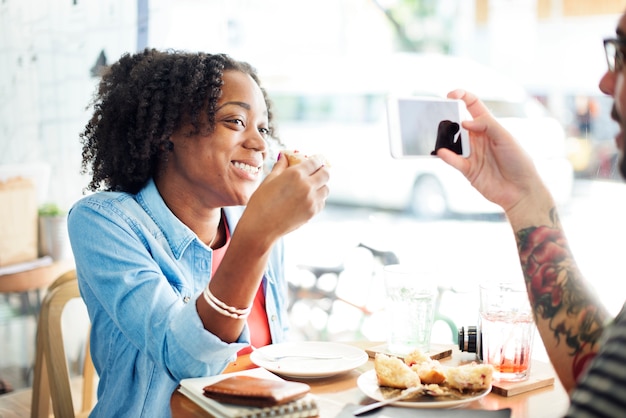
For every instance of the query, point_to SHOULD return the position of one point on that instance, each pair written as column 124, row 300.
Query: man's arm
column 568, row 315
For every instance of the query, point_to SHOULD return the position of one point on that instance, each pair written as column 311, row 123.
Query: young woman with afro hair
column 179, row 251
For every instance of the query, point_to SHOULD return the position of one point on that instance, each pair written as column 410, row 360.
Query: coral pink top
column 257, row 321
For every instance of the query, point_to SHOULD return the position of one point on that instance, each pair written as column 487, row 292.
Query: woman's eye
column 236, row 122
column 264, row 131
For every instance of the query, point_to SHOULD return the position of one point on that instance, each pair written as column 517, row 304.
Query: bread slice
column 393, row 372
column 419, row 369
column 416, row 357
column 470, row 377
column 430, row 371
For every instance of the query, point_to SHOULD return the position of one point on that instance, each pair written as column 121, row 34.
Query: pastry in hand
column 296, row 157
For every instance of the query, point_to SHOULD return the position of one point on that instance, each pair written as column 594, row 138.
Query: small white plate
column 369, row 385
column 309, row 359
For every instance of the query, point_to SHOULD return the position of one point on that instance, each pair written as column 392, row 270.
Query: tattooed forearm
column 557, row 293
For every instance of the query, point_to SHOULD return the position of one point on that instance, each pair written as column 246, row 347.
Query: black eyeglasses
column 614, row 49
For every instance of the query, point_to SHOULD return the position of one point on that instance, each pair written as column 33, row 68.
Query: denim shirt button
column 273, row 318
column 186, row 299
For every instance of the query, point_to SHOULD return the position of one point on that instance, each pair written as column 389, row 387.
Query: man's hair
column 141, row 101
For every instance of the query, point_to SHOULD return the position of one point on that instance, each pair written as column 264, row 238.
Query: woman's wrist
column 258, row 236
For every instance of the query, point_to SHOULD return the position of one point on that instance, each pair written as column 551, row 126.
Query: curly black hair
column 142, row 99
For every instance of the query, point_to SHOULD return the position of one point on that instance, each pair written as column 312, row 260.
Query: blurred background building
column 51, row 52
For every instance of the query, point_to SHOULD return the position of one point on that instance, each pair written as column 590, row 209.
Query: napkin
column 402, row 412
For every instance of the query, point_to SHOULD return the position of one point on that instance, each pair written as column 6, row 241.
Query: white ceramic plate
column 308, row 359
column 368, row 385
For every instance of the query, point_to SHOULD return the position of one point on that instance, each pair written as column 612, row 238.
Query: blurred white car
column 337, row 107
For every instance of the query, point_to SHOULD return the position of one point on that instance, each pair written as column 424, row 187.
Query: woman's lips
column 249, row 171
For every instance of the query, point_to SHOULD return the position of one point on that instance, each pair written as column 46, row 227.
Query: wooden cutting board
column 541, row 375
column 437, row 351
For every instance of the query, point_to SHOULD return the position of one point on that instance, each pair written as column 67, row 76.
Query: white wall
column 46, row 51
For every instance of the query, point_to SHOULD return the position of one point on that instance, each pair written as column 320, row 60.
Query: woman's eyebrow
column 237, row 103
column 241, row 104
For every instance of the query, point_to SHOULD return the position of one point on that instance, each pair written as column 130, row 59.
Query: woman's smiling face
column 224, row 167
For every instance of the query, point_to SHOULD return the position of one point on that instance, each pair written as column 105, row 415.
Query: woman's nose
column 256, row 140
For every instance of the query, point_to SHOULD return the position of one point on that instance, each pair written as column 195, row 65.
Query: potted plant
column 53, row 237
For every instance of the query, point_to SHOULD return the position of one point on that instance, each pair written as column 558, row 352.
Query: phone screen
column 420, row 125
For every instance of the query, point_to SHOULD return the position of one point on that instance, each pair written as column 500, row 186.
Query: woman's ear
column 168, row 146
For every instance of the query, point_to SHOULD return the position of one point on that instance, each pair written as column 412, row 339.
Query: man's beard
column 621, row 158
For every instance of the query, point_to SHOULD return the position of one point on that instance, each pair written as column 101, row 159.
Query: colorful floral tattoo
column 556, row 291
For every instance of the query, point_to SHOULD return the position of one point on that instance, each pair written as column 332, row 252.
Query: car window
column 346, row 108
column 526, row 109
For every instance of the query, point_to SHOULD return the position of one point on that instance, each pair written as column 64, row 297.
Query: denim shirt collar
column 177, row 234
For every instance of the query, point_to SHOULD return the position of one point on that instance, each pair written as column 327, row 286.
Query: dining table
column 334, row 393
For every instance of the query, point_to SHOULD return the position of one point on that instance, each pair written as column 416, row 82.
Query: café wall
column 47, row 49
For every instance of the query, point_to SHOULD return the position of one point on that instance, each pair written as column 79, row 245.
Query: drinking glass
column 507, row 328
column 410, row 306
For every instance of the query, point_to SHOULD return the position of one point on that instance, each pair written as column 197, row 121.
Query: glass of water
column 410, row 307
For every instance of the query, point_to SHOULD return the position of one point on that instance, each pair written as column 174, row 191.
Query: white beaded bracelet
column 224, row 309
column 222, row 305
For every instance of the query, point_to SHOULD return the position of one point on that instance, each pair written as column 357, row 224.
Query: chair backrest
column 52, row 379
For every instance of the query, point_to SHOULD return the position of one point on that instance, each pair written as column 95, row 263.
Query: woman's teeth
column 247, row 168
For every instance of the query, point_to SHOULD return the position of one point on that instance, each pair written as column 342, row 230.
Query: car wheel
column 428, row 199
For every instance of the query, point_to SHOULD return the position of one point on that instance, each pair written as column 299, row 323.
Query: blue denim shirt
column 140, row 270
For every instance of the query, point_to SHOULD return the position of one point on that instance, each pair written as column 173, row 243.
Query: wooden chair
column 52, row 380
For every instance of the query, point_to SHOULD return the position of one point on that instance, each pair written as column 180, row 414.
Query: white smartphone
column 419, row 125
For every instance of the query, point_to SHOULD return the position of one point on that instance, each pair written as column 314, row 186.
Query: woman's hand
column 286, row 199
column 289, row 196
column 497, row 167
